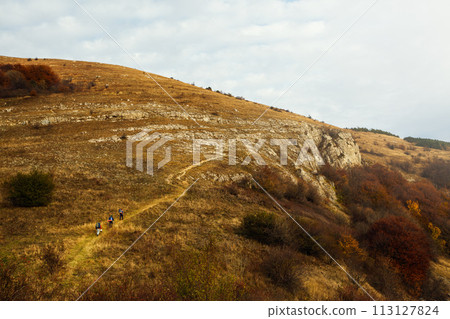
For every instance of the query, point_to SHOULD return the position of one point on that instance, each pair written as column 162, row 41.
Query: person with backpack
column 110, row 220
column 120, row 214
column 98, row 227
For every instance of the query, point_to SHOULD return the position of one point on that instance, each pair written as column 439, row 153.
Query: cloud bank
column 390, row 71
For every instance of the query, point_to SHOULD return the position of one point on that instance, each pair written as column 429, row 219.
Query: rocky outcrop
column 340, row 149
column 336, row 147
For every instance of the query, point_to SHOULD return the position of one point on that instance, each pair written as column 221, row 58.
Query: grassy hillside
column 200, row 249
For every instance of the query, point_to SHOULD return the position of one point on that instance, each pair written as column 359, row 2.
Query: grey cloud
column 391, row 71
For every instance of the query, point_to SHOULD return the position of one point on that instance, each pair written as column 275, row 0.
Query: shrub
column 261, row 227
column 40, row 75
column 4, row 80
column 30, row 190
column 364, row 186
column 280, row 267
column 352, row 293
column 438, row 172
column 435, row 232
column 431, row 201
column 19, row 80
column 11, row 280
column 435, row 289
column 405, row 166
column 281, row 186
column 272, row 181
column 391, row 146
column 297, row 191
column 16, row 80
column 350, row 247
column 313, row 195
column 294, row 237
column 198, row 275
column 267, row 229
column 405, row 244
column 52, row 257
column 333, row 174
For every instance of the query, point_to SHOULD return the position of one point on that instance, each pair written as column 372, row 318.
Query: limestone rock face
column 336, row 147
column 340, row 150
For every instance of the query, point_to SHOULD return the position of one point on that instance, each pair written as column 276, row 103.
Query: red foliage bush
column 333, row 174
column 18, row 80
column 393, row 181
column 366, row 186
column 4, row 80
column 405, row 244
column 386, row 192
column 429, row 198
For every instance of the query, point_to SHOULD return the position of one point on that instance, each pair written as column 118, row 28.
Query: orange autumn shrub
column 19, row 80
column 364, row 187
column 350, row 247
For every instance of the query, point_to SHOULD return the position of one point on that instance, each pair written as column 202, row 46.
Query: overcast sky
column 390, row 71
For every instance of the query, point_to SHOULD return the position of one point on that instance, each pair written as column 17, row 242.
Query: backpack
column 97, row 225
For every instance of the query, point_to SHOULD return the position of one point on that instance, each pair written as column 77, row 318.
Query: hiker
column 110, row 220
column 120, row 214
column 98, row 227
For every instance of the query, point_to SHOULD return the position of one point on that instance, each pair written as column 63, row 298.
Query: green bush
column 30, row 190
column 261, row 227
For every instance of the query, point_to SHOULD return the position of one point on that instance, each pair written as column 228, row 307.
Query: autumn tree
column 406, row 245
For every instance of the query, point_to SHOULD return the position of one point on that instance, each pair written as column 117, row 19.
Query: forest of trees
column 426, row 142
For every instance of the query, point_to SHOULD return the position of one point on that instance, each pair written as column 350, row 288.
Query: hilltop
column 199, row 248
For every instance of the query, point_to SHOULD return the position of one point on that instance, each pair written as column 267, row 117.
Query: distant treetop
column 427, row 142
column 364, row 129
